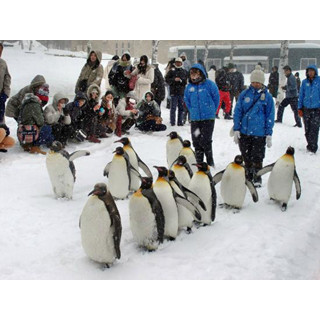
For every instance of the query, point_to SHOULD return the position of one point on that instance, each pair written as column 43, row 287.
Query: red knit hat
column 43, row 92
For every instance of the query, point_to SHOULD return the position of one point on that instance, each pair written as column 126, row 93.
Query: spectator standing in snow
column 108, row 69
column 186, row 64
column 14, row 103
column 169, row 67
column 253, row 123
column 274, row 82
column 157, row 86
column 223, row 84
column 58, row 117
column 212, row 73
column 92, row 72
column 118, row 80
column 177, row 79
column 309, row 107
column 236, row 83
column 6, row 141
column 149, row 115
column 202, row 99
column 298, row 81
column 145, row 76
column 107, row 115
column 291, row 98
column 5, row 82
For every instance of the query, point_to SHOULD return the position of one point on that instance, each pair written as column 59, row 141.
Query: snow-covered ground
column 40, row 236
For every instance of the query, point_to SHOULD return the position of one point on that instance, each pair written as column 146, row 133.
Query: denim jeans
column 176, row 101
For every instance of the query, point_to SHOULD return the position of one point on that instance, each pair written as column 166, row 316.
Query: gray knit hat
column 257, row 75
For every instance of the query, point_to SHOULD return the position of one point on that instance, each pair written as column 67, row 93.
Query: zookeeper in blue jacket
column 253, row 123
column 309, row 107
column 201, row 97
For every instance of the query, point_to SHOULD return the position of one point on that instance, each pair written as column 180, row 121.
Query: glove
column 5, row 127
column 3, row 97
column 300, row 112
column 236, row 137
column 65, row 112
column 269, row 141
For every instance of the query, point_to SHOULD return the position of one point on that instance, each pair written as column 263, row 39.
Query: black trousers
column 151, row 125
column 62, row 132
column 253, row 150
column 201, row 132
column 311, row 120
column 294, row 106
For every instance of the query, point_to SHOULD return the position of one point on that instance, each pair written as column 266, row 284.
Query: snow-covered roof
column 250, row 46
column 247, row 58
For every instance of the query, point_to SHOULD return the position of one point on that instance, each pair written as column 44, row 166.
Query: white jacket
column 144, row 81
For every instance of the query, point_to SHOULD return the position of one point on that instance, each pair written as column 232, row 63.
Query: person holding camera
column 107, row 115
column 58, row 117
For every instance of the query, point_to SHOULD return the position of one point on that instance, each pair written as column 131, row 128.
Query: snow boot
column 36, row 149
column 93, row 139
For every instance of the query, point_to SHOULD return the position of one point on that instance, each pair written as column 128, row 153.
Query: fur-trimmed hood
column 30, row 97
column 91, row 87
column 37, row 81
column 98, row 54
column 58, row 96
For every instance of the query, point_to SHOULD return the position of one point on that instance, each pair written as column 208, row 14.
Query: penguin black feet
column 171, row 238
column 236, row 210
column 189, row 230
column 284, row 207
column 105, row 266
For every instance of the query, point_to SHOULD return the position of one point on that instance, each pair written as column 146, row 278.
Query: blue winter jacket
column 309, row 96
column 202, row 99
column 259, row 121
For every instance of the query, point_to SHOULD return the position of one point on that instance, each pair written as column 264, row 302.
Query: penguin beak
column 118, row 141
column 93, row 192
column 196, row 164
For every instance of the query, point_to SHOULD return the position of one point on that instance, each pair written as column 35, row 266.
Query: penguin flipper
column 188, row 205
column 144, row 167
column 78, row 154
column 187, row 166
column 252, row 190
column 297, row 184
column 190, row 194
column 218, row 176
column 265, row 169
column 214, row 201
column 107, row 169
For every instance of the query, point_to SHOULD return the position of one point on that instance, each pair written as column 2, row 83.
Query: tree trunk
column 195, row 52
column 284, row 53
column 21, row 44
column 232, row 51
column 155, row 44
column 206, row 52
column 30, row 45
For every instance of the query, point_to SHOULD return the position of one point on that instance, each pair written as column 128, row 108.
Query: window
column 305, row 62
column 276, row 62
column 215, row 62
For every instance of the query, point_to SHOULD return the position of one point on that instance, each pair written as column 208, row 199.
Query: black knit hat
column 109, row 92
column 286, row 68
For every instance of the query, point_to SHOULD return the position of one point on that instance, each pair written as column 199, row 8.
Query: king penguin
column 234, row 183
column 188, row 152
column 119, row 172
column 283, row 174
column 135, row 161
column 173, row 147
column 202, row 184
column 182, row 170
column 146, row 216
column 186, row 213
column 61, row 169
column 100, row 225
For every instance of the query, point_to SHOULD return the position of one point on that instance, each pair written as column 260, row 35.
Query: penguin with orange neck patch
column 283, row 174
column 234, row 184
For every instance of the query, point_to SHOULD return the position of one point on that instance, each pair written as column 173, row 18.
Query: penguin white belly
column 96, row 231
column 135, row 181
column 233, row 187
column 191, row 159
column 118, row 178
column 164, row 194
column 173, row 149
column 182, row 175
column 142, row 222
column 200, row 185
column 60, row 174
column 185, row 218
column 281, row 180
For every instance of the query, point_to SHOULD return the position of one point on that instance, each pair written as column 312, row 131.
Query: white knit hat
column 257, row 75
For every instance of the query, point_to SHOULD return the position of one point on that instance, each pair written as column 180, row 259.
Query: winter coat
column 124, row 111
column 291, row 87
column 52, row 115
column 298, row 83
column 212, row 75
column 90, row 74
column 309, row 96
column 31, row 111
column 273, row 81
column 222, row 80
column 109, row 118
column 117, row 79
column 143, row 84
column 259, row 121
column 147, row 109
column 236, row 82
column 14, row 103
column 75, row 111
column 87, row 110
column 5, row 78
column 107, row 71
column 177, row 87
column 202, row 99
column 157, row 86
